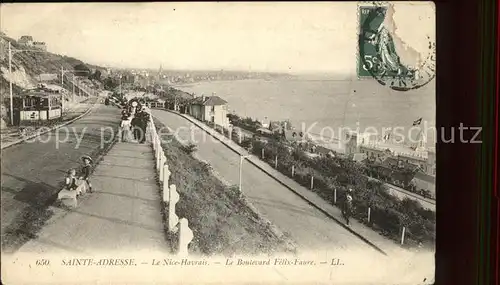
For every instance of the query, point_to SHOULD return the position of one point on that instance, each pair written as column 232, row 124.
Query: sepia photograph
column 219, row 142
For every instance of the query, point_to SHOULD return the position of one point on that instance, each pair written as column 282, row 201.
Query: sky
column 289, row 37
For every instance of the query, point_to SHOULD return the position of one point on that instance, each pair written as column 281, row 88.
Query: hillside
column 26, row 66
column 26, row 70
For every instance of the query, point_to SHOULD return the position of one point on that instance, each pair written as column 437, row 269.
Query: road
column 124, row 212
column 401, row 194
column 308, row 227
column 32, row 172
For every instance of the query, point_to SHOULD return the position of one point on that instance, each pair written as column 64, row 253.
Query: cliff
column 27, row 67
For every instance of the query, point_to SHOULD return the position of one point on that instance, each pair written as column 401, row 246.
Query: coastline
column 324, row 107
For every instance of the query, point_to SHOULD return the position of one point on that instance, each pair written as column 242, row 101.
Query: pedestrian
column 135, row 124
column 126, row 126
column 125, row 111
column 86, row 169
column 142, row 121
column 347, row 206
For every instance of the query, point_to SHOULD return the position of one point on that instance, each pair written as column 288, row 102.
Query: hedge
column 388, row 214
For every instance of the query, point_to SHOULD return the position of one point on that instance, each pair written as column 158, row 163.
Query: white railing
column 170, row 195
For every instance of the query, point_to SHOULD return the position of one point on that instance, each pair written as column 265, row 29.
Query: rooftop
column 29, row 38
column 209, row 101
column 391, row 162
column 396, row 149
column 37, row 93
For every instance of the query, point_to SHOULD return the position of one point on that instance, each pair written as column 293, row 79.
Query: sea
column 322, row 107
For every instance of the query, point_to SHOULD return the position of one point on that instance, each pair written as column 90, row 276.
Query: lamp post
column 242, row 157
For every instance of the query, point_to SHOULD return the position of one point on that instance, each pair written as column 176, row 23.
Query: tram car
column 37, row 106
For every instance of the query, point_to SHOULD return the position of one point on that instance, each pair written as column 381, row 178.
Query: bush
column 247, row 143
column 388, row 213
column 189, row 148
column 389, row 220
column 234, row 191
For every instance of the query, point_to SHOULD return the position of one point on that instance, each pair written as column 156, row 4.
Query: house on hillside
column 26, row 41
column 47, row 77
column 40, row 45
column 210, row 108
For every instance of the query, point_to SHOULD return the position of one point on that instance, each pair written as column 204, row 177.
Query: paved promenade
column 365, row 233
column 123, row 213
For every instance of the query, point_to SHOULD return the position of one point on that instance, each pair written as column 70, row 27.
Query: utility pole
column 10, row 81
column 10, row 87
column 73, row 88
column 62, row 76
column 242, row 157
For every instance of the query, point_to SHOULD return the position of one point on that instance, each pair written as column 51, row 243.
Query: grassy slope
column 221, row 222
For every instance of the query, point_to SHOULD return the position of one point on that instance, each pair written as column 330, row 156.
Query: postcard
column 234, row 142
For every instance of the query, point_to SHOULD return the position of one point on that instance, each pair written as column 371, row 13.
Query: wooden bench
column 72, row 195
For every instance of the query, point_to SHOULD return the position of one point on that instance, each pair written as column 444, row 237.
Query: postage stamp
column 380, row 51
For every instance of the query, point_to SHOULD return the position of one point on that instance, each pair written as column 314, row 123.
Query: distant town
column 172, row 77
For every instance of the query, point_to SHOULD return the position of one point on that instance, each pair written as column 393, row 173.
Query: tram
column 36, row 107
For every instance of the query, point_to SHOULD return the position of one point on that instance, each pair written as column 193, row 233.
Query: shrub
column 189, row 148
column 247, row 143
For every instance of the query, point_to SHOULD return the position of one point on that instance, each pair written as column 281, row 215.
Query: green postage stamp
column 385, row 57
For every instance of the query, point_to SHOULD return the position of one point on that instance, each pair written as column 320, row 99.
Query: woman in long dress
column 126, row 126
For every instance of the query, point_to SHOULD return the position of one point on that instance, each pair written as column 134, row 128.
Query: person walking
column 126, row 128
column 143, row 119
column 135, row 123
column 123, row 126
column 86, row 169
column 347, row 206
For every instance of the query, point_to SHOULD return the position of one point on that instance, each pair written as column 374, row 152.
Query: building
column 374, row 153
column 210, row 108
column 354, row 140
column 393, row 170
column 40, row 45
column 47, row 77
column 26, row 41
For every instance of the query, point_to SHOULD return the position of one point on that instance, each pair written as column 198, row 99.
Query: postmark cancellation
column 384, row 55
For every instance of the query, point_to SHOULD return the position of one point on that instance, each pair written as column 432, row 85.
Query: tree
column 96, row 75
column 110, row 83
column 81, row 70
